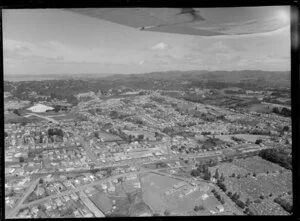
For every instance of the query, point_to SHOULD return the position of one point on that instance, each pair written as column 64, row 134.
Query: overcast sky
column 47, row 41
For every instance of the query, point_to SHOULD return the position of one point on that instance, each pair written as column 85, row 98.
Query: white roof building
column 39, row 108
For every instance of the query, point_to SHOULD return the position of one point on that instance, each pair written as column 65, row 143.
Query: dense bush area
column 55, row 131
column 284, row 111
column 277, row 156
column 284, row 204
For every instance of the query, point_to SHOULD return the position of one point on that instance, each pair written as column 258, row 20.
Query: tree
column 199, row 208
column 56, row 108
column 258, row 141
column 140, row 137
column 233, row 175
column 229, row 194
column 167, row 213
column 207, row 175
column 195, row 173
column 130, row 138
column 240, row 204
column 248, row 202
column 235, row 197
column 285, row 128
column 21, row 159
column 222, row 178
column 217, row 174
column 17, row 112
column 222, row 200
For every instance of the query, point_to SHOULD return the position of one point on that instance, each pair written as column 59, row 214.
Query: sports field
column 161, row 194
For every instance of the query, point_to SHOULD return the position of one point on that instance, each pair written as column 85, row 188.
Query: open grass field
column 62, row 117
column 260, row 108
column 178, row 201
column 228, row 169
column 13, row 118
column 257, row 164
column 250, row 137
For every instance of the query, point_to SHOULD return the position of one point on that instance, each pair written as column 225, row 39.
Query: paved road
column 90, row 205
column 84, row 187
column 93, row 157
column 229, row 201
column 26, row 194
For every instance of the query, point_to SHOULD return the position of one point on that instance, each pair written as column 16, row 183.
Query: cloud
column 141, row 62
column 160, row 46
column 50, row 51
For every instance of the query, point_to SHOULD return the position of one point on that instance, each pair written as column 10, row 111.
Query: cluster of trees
column 236, row 139
column 149, row 105
column 158, row 136
column 161, row 165
column 222, row 185
column 236, row 198
column 199, row 208
column 114, row 114
column 159, row 100
column 284, row 111
column 218, row 196
column 248, row 211
column 258, row 141
column 17, row 112
column 131, row 138
column 202, row 171
column 21, row 159
column 55, row 131
column 288, row 206
column 210, row 143
column 277, row 156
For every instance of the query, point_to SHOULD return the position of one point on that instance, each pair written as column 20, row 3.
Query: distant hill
column 67, row 88
column 224, row 76
column 267, row 78
column 61, row 76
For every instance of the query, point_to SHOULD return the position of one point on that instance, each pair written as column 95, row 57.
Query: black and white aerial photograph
column 134, row 112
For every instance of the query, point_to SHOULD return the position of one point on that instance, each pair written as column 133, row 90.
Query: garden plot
column 267, row 207
column 254, row 187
